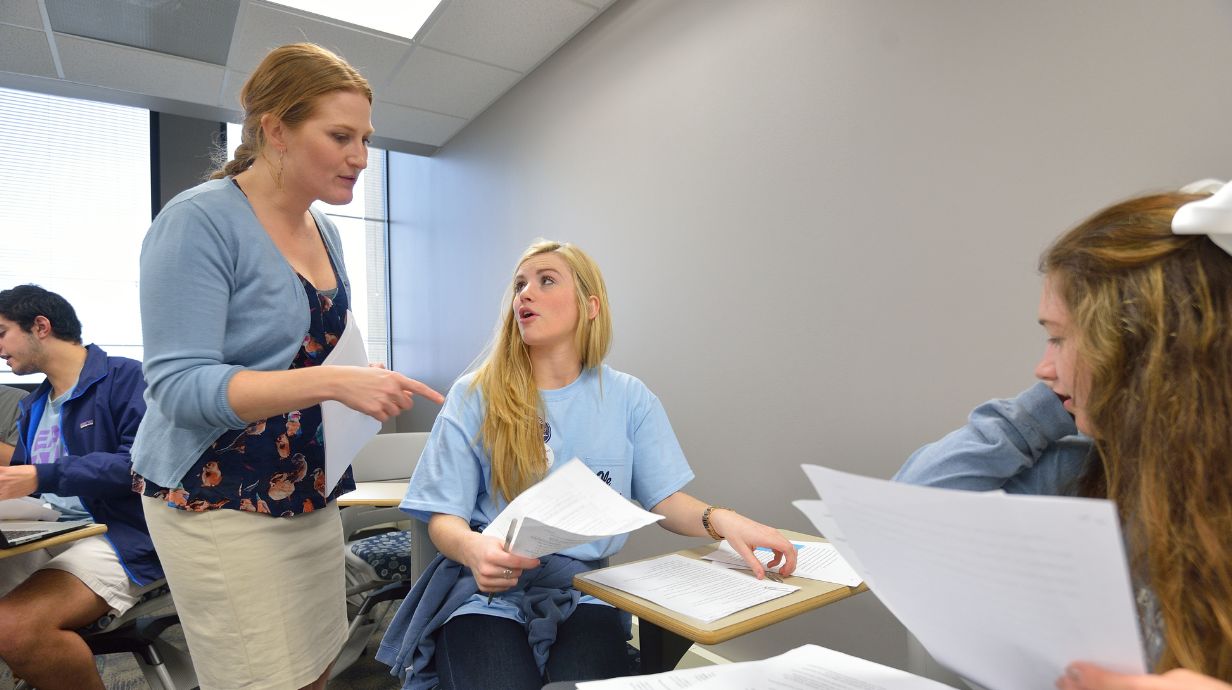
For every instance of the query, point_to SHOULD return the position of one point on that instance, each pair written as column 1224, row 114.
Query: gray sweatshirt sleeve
column 1026, row 444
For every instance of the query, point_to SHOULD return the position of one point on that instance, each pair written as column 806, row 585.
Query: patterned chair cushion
column 389, row 554
column 109, row 619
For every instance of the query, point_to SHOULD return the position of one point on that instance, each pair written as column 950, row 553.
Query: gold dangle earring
column 278, row 175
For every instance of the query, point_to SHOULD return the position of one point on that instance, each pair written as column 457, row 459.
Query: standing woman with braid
column 243, row 294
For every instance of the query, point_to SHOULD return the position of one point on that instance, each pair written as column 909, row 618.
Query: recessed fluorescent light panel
column 403, row 18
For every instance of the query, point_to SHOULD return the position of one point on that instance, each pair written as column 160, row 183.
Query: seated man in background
column 9, row 397
column 74, row 435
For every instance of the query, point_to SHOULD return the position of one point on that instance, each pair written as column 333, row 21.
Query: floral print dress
column 274, row 466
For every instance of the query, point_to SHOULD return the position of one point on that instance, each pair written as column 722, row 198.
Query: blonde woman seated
column 541, row 397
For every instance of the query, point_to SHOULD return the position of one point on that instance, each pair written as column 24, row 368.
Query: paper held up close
column 1004, row 590
column 569, row 507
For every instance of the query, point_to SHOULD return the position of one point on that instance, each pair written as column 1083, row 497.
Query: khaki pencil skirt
column 261, row 599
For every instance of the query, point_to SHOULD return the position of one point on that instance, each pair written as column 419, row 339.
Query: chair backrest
column 389, row 456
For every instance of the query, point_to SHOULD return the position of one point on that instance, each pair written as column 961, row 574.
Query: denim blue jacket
column 217, row 297
column 409, row 643
column 1023, row 445
column 97, row 424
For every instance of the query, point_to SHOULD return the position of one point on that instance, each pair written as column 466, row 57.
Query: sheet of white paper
column 570, row 506
column 804, row 668
column 815, row 560
column 817, row 512
column 346, row 431
column 690, row 587
column 27, row 508
column 1004, row 590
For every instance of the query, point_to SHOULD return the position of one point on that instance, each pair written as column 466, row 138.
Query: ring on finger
column 507, row 574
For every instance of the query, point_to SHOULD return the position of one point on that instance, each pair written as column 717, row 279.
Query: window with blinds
column 75, row 204
column 364, row 227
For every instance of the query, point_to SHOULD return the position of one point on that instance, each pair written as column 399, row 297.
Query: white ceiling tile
column 264, row 27
column 394, row 121
column 21, row 13
column 25, row 51
column 482, row 48
column 517, row 34
column 138, row 71
column 432, row 80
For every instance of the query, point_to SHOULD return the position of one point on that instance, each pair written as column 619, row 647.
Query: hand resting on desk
column 683, row 515
column 744, row 535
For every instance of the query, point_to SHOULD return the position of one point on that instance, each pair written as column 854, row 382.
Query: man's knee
column 51, row 600
column 21, row 626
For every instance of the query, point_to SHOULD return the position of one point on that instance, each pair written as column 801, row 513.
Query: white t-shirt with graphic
column 48, row 447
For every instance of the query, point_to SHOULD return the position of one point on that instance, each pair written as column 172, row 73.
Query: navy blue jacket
column 98, row 424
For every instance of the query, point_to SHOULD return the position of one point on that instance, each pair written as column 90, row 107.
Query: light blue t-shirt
column 607, row 419
column 48, row 447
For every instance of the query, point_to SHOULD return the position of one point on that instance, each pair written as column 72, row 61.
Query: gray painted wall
column 185, row 147
column 819, row 220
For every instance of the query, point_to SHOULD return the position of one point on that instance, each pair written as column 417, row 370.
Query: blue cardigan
column 98, row 423
column 217, row 297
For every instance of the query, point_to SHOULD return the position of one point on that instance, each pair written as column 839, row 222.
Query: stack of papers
column 805, row 668
column 1004, row 590
column 570, row 507
column 690, row 587
column 815, row 560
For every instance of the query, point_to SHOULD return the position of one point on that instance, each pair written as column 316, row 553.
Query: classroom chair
column 382, row 562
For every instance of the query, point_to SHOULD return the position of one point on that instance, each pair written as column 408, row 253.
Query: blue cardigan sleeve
column 1026, row 444
column 187, row 279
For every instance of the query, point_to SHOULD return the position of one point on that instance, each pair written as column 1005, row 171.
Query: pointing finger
column 423, row 389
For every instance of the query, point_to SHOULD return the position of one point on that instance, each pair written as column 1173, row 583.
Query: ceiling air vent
column 194, row 29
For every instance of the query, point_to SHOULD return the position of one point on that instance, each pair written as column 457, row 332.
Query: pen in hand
column 513, row 525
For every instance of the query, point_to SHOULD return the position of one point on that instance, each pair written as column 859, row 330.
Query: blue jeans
column 477, row 651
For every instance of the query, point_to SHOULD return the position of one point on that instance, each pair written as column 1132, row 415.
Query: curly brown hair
column 1153, row 315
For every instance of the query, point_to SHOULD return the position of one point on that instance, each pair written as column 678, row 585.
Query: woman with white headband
column 1135, row 406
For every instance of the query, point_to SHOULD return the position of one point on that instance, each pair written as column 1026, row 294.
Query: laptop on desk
column 18, row 532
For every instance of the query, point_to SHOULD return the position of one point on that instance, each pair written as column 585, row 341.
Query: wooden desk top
column 812, row 594
column 88, row 531
column 380, row 494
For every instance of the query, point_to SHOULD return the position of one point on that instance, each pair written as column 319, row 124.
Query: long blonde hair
column 1153, row 318
column 511, row 431
column 286, row 85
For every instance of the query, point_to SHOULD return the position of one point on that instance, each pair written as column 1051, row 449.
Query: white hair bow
column 1211, row 216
